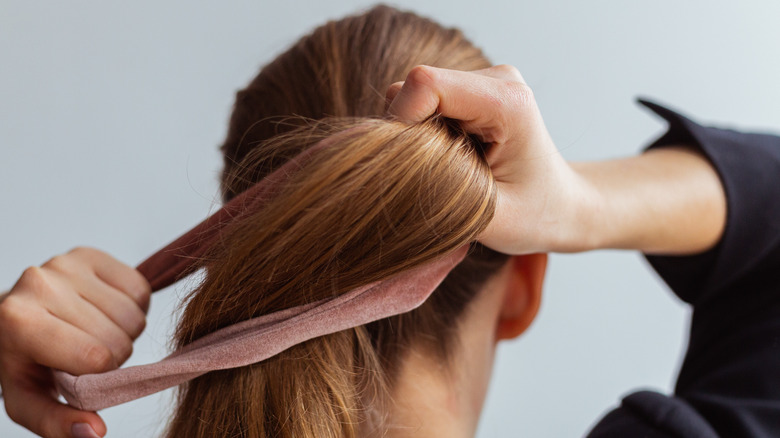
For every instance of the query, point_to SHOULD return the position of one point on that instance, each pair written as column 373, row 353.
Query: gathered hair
column 383, row 196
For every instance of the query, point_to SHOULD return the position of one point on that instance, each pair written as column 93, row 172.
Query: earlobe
column 523, row 295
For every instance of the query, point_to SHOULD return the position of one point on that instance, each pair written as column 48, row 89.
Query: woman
column 424, row 373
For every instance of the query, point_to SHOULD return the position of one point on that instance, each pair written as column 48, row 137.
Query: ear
column 522, row 295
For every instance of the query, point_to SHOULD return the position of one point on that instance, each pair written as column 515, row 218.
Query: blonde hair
column 384, row 196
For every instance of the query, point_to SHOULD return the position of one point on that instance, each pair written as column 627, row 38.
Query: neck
column 433, row 399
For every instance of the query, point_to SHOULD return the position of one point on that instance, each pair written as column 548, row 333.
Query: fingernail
column 83, row 430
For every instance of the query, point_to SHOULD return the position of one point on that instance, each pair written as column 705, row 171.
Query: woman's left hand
column 540, row 196
column 666, row 201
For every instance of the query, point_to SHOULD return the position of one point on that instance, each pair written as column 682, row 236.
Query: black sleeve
column 729, row 383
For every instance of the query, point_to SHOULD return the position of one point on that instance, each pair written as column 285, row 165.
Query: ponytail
column 383, row 197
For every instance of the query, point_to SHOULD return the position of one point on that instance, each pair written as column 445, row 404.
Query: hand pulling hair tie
column 256, row 339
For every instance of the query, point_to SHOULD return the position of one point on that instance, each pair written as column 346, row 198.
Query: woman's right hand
column 79, row 313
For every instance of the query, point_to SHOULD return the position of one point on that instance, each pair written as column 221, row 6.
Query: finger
column 117, row 306
column 84, row 315
column 117, row 274
column 391, row 92
column 32, row 405
column 51, row 342
column 419, row 96
column 463, row 96
column 504, row 72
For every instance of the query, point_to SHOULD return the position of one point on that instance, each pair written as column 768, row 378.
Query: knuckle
column 520, row 94
column 509, row 71
column 12, row 323
column 422, row 75
column 98, row 357
column 81, row 250
column 86, row 253
column 10, row 313
column 32, row 277
column 60, row 263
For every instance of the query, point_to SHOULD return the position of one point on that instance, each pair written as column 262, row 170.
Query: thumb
column 41, row 413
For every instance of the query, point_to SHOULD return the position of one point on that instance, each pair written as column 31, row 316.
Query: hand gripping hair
column 434, row 165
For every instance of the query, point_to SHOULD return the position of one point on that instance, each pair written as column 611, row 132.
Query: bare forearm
column 665, row 201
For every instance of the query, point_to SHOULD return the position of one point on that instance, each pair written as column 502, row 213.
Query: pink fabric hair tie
column 259, row 338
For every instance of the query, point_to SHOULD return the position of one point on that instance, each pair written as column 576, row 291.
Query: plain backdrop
column 111, row 114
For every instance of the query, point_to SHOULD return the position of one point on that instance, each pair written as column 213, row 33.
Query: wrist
column 581, row 227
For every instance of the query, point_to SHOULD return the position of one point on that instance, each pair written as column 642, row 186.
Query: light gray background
column 111, row 112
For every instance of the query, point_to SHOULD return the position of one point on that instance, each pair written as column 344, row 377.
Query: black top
column 729, row 383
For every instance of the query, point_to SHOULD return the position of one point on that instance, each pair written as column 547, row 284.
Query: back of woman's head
column 380, row 197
